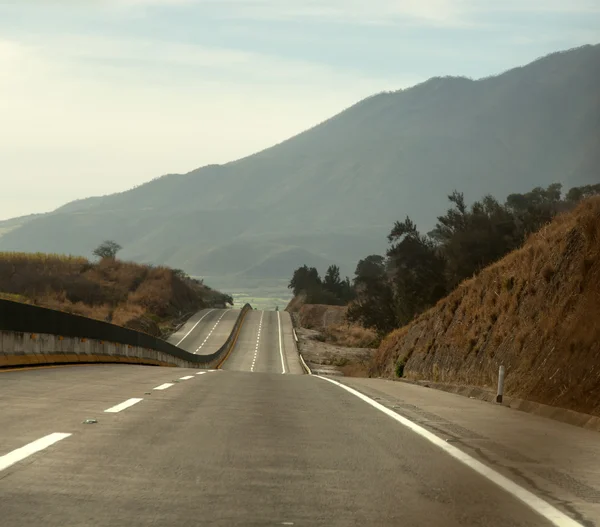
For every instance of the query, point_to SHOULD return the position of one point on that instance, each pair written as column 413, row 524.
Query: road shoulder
column 557, row 461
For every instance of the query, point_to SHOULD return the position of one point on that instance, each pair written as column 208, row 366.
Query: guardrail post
column 500, row 384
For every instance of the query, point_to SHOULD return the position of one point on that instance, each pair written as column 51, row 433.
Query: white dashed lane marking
column 211, row 332
column 187, row 377
column 20, row 454
column 257, row 341
column 164, row 386
column 120, row 407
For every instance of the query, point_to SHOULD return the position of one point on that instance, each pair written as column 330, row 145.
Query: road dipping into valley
column 246, row 445
column 205, row 332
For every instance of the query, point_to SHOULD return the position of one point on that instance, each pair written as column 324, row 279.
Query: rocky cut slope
column 536, row 311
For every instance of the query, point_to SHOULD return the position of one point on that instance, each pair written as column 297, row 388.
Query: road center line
column 257, row 341
column 123, row 406
column 194, row 327
column 211, row 331
column 280, row 347
column 187, row 377
column 552, row 514
column 20, row 454
column 164, row 386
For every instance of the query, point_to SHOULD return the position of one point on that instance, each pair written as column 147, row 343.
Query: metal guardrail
column 49, row 329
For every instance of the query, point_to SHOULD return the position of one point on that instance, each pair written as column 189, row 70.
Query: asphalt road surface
column 206, row 331
column 247, row 446
column 265, row 345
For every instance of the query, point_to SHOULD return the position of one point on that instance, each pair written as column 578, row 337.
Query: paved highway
column 246, row 445
column 206, row 331
column 265, row 345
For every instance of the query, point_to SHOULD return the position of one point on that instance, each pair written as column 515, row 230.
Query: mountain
column 332, row 193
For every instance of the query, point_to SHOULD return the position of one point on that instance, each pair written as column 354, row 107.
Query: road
column 245, row 445
column 265, row 345
column 206, row 331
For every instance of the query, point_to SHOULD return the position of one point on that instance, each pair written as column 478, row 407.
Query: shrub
column 400, row 367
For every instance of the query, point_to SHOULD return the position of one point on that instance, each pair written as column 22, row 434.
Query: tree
column 305, row 279
column 332, row 281
column 416, row 269
column 470, row 239
column 373, row 306
column 578, row 193
column 107, row 249
column 535, row 208
column 347, row 293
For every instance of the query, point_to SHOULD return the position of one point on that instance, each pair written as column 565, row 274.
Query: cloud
column 435, row 12
column 91, row 115
column 94, row 107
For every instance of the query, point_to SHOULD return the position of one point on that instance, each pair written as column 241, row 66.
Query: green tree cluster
column 418, row 270
column 330, row 290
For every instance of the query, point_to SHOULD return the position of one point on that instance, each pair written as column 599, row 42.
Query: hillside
column 149, row 299
column 332, row 193
column 536, row 311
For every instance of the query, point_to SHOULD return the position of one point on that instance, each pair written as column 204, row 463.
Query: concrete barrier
column 28, row 338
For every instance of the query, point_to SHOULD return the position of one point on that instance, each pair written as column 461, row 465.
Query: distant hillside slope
column 537, row 312
column 149, row 299
column 334, row 191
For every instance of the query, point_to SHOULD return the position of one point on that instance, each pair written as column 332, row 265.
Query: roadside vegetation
column 536, row 311
column 392, row 294
column 389, row 291
column 142, row 297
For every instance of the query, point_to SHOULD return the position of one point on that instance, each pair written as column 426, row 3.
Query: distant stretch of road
column 253, row 444
column 206, row 331
column 265, row 345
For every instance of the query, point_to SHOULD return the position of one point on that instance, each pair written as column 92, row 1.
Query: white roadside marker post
column 500, row 385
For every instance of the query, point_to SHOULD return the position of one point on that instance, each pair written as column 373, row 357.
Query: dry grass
column 536, row 311
column 350, row 336
column 125, row 293
column 355, row 369
column 296, row 303
column 45, row 258
column 331, row 322
column 319, row 316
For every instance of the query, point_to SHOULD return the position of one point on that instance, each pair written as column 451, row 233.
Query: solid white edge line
column 308, row 370
column 7, row 460
column 123, row 406
column 280, row 347
column 164, row 386
column 543, row 508
column 186, row 378
column 194, row 327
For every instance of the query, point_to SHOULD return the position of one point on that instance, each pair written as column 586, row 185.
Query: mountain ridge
column 352, row 176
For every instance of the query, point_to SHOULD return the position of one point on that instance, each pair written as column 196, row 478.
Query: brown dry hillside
column 331, row 323
column 320, row 316
column 140, row 297
column 536, row 311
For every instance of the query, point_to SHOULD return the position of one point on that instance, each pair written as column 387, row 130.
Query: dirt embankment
column 319, row 316
column 140, row 297
column 328, row 343
column 536, row 311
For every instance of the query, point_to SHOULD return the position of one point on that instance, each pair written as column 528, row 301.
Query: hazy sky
column 97, row 96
